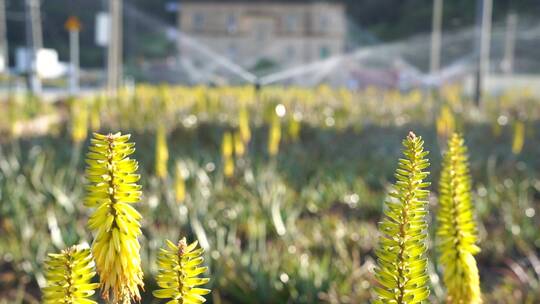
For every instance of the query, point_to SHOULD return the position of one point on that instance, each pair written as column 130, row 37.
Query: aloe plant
column 162, row 152
column 179, row 268
column 456, row 232
column 111, row 191
column 227, row 149
column 401, row 254
column 69, row 276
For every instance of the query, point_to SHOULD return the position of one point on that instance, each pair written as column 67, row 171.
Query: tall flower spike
column 274, row 135
column 401, row 271
column 519, row 137
column 79, row 127
column 227, row 148
column 178, row 274
column 445, row 123
column 457, row 232
column 162, row 152
column 239, row 148
column 68, row 277
column 243, row 124
column 180, row 182
column 112, row 189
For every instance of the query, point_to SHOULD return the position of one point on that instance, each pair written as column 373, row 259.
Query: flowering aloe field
column 285, row 189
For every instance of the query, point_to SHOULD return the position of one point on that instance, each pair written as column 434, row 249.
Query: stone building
column 275, row 32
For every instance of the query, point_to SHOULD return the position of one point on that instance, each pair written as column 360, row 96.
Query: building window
column 324, row 52
column 291, row 23
column 232, row 24
column 324, row 23
column 261, row 32
column 198, row 21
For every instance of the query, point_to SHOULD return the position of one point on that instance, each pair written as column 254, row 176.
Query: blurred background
column 395, row 44
column 269, row 131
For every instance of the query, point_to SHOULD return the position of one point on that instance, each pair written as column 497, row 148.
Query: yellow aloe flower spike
column 111, row 191
column 180, row 183
column 178, row 274
column 401, row 254
column 274, row 136
column 243, row 124
column 457, row 233
column 79, row 116
column 162, row 152
column 68, row 277
column 227, row 148
column 446, row 123
column 239, row 148
column 519, row 137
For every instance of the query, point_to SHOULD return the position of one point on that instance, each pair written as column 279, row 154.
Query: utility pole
column 435, row 57
column 485, row 9
column 114, row 55
column 34, row 42
column 4, row 54
column 37, row 35
column 73, row 26
column 509, row 43
column 178, row 38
